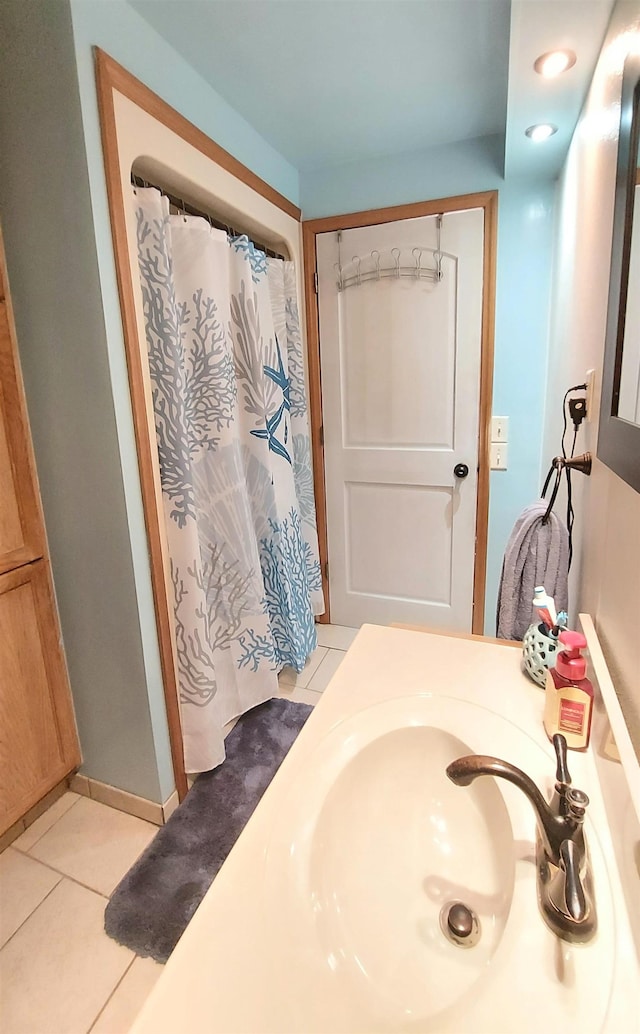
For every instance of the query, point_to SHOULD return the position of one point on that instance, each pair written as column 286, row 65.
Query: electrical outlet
column 590, row 381
column 499, row 428
column 577, row 410
column 498, row 455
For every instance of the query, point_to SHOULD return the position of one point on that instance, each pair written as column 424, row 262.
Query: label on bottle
column 571, row 716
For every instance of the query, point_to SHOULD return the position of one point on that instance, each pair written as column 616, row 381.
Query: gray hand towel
column 536, row 554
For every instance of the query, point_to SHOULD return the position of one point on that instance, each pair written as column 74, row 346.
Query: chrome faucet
column 565, row 886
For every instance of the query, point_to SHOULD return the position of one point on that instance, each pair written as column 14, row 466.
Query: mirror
column 619, row 434
column 629, row 397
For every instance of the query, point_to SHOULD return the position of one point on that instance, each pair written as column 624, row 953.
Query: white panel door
column 400, row 360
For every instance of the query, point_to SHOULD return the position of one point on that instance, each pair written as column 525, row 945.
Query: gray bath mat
column 151, row 906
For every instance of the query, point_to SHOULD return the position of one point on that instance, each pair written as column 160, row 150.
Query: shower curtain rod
column 183, row 206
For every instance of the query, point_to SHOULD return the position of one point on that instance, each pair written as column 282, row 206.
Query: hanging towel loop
column 560, row 463
column 557, row 467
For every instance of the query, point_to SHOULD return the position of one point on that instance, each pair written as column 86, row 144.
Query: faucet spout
column 553, row 829
column 565, row 890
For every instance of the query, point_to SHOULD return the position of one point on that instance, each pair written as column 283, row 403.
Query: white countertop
column 217, row 979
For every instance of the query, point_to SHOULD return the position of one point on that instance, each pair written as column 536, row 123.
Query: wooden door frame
column 112, row 78
column 488, row 202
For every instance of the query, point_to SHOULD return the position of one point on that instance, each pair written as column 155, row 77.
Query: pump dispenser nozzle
column 570, row 661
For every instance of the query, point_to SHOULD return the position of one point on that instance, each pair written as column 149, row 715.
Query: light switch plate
column 499, row 454
column 499, row 428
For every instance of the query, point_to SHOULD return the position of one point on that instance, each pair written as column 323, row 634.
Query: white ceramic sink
column 370, row 845
column 324, row 918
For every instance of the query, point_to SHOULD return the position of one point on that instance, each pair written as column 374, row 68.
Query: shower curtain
column 229, row 400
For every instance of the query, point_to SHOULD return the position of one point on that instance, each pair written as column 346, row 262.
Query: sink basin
column 379, row 923
column 373, row 844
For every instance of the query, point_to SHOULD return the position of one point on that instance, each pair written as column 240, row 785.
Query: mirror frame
column 618, row 439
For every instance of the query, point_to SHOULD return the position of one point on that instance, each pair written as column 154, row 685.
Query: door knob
column 461, row 470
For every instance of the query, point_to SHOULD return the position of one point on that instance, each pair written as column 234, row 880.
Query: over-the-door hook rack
column 363, row 268
column 371, row 267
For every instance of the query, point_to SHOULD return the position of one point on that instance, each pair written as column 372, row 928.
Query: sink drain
column 460, row 924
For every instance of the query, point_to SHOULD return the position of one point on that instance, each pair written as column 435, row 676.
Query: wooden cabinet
column 38, row 738
column 38, row 742
column 22, row 536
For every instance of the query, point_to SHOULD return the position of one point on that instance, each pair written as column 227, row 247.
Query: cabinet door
column 22, row 536
column 38, row 739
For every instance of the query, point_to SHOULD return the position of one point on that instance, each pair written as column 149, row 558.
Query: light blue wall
column 112, row 654
column 61, row 269
column 459, row 168
column 524, row 268
column 117, row 29
column 523, row 305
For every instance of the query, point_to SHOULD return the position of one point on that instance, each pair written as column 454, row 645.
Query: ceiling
column 333, row 81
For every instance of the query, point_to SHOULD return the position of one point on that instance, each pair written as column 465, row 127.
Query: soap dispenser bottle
column 568, row 706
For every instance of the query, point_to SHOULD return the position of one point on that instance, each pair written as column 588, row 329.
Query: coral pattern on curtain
column 229, row 399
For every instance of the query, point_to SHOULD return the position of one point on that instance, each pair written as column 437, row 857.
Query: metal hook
column 375, row 255
column 338, row 269
column 356, row 261
column 396, row 258
column 417, row 253
column 437, row 255
column 339, row 262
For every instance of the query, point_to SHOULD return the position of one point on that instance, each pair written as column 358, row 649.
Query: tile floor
column 59, row 972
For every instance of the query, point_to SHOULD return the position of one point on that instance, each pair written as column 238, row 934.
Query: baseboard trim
column 158, row 814
column 122, row 800
column 38, row 809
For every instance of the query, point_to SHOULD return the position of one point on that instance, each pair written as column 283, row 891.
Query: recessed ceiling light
column 541, row 132
column 554, row 62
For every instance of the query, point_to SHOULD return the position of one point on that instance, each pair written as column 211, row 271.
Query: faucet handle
column 574, row 896
column 563, row 779
column 577, row 803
